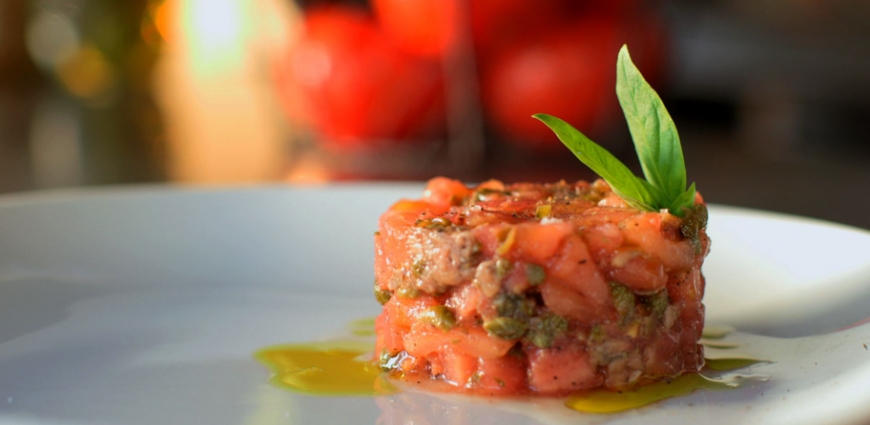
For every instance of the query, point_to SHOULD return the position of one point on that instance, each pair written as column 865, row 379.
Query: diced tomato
column 562, row 369
column 567, row 302
column 503, row 375
column 405, row 311
column 602, row 239
column 388, row 337
column 425, row 338
column 441, row 193
column 637, row 270
column 538, row 244
column 458, row 367
column 645, row 231
column 575, row 268
column 465, row 302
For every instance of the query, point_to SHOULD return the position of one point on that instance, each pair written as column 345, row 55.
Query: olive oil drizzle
column 603, row 401
column 344, row 367
column 329, row 368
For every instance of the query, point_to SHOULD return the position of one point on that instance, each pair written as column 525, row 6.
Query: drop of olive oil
column 603, row 401
column 330, row 368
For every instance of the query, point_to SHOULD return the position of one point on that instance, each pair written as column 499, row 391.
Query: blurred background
column 772, row 98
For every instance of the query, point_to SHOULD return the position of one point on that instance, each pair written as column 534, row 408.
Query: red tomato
column 567, row 72
column 429, row 27
column 424, row 27
column 497, row 24
column 357, row 87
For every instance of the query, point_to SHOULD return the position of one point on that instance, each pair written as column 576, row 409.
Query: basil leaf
column 653, row 131
column 655, row 140
column 685, row 201
column 623, row 182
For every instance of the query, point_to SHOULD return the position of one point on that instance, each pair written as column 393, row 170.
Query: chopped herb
column 507, row 242
column 542, row 211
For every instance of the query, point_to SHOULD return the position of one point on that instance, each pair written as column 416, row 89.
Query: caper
column 502, row 267
column 545, row 329
column 440, row 316
column 381, row 295
column 408, row 292
column 485, row 194
column 535, row 274
column 514, row 306
column 623, row 300
column 418, row 267
column 505, row 328
column 597, row 333
column 656, row 303
column 694, row 220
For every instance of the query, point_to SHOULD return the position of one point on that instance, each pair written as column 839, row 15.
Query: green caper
column 505, row 328
column 694, row 220
column 623, row 300
column 408, row 292
column 418, row 267
column 535, row 274
column 597, row 333
column 440, row 316
column 486, row 194
column 514, row 306
column 656, row 303
column 502, row 267
column 437, row 223
column 545, row 329
column 381, row 295
column 388, row 362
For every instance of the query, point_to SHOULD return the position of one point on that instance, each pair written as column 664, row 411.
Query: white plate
column 144, row 306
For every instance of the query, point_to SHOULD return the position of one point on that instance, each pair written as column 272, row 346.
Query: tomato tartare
column 538, row 288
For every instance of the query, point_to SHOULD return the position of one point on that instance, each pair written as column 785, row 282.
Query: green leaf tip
column 656, row 142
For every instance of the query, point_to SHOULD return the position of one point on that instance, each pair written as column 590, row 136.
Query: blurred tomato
column 566, row 72
column 645, row 33
column 357, row 87
column 499, row 24
column 424, row 27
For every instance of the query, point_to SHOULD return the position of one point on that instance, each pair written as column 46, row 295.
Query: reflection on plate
column 144, row 306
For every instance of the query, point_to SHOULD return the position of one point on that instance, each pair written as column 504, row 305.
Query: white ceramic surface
column 144, row 306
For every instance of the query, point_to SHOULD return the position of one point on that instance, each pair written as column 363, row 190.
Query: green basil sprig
column 655, row 140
